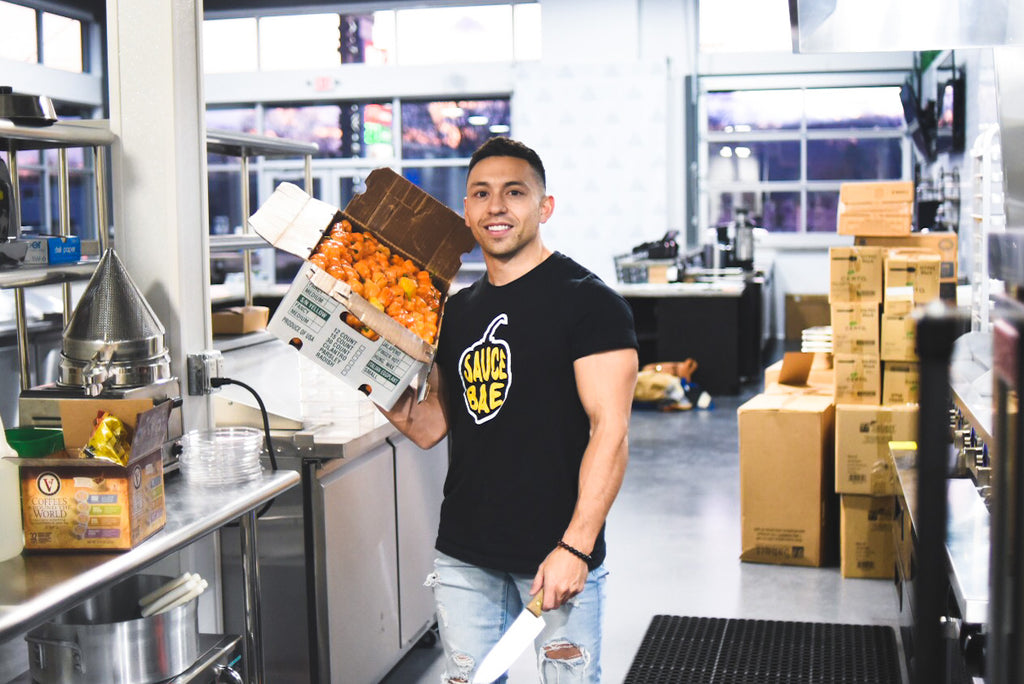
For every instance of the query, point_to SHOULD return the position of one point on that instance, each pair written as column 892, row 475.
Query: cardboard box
column 863, row 433
column 913, row 268
column 800, row 369
column 944, row 243
column 92, row 503
column 405, row 219
column 898, row 332
column 855, row 274
column 786, row 459
column 876, row 192
column 899, row 382
column 804, row 311
column 858, row 378
column 896, row 220
column 53, row 250
column 866, row 546
column 238, row 320
column 855, row 327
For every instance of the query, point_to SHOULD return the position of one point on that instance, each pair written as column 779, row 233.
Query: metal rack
column 243, row 146
column 60, row 136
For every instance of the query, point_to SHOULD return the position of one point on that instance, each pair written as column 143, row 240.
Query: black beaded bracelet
column 576, row 552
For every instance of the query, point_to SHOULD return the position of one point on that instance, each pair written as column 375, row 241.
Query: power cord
column 220, row 382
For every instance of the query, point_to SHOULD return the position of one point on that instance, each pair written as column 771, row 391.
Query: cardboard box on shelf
column 787, row 506
column 876, row 193
column 863, row 433
column 858, row 378
column 855, row 274
column 866, row 548
column 913, row 268
column 804, row 311
column 943, row 243
column 855, row 327
column 899, row 382
column 310, row 316
column 238, row 320
column 92, row 503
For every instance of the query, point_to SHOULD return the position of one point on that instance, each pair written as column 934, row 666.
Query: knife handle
column 534, row 606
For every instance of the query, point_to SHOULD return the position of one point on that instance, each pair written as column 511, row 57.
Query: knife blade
column 512, row 643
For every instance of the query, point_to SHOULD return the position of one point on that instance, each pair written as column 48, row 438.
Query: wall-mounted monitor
column 920, row 122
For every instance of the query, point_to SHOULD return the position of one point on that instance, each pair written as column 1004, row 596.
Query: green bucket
column 32, row 442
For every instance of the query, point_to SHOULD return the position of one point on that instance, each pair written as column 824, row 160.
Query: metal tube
column 12, row 166
column 308, row 173
column 251, row 581
column 246, row 254
column 102, row 217
column 64, row 207
column 22, row 330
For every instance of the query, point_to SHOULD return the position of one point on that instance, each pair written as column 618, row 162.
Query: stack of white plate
column 816, row 339
column 226, row 455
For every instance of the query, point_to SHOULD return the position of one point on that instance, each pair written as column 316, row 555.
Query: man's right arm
column 424, row 422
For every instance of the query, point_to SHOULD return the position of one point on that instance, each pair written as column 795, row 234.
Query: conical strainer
column 113, row 338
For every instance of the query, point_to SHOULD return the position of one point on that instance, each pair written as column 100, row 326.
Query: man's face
column 505, row 205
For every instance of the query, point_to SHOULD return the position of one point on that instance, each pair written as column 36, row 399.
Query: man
column 533, row 384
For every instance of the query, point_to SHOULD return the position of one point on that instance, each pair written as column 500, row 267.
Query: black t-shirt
column 517, row 428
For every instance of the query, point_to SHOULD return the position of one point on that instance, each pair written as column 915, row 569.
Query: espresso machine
column 113, row 347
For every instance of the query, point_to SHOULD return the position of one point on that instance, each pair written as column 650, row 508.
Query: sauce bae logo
column 486, row 371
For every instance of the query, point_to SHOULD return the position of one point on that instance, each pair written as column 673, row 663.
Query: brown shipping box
column 876, row 193
column 944, row 243
column 804, row 311
column 858, row 378
column 855, row 274
column 893, row 220
column 899, row 382
column 916, row 269
column 866, row 547
column 90, row 503
column 863, row 433
column 898, row 333
column 238, row 320
column 855, row 328
column 310, row 316
column 800, row 369
column 787, row 506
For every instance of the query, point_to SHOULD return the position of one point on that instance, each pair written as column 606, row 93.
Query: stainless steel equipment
column 113, row 338
column 104, row 640
column 26, row 110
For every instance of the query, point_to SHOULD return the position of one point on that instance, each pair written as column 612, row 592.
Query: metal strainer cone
column 113, row 337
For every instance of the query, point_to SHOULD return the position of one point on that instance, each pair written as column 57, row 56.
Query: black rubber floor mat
column 695, row 650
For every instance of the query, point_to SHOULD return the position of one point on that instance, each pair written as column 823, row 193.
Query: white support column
column 159, row 170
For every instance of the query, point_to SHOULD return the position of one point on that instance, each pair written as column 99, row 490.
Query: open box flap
column 292, row 221
column 404, row 216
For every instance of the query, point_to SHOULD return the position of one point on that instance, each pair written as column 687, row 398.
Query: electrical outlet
column 202, row 367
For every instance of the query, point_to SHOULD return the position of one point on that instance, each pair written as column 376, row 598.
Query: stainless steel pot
column 104, row 641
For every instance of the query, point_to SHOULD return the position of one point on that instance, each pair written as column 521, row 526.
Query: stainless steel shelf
column 237, row 144
column 61, row 134
column 234, row 243
column 28, row 276
column 37, row 587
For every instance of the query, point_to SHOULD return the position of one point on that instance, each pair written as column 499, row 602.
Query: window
column 782, row 154
column 405, row 37
column 62, row 43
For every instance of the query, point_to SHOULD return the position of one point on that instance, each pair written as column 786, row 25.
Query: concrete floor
column 674, row 544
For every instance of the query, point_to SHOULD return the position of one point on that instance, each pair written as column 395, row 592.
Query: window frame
column 707, row 190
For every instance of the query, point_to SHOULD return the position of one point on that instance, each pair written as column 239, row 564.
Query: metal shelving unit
column 244, row 146
column 95, row 134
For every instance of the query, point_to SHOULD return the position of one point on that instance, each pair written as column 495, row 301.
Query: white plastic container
column 12, row 537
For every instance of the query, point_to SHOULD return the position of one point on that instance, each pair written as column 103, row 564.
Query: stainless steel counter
column 967, row 538
column 38, row 586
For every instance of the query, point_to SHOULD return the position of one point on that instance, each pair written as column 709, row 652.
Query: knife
column 512, row 643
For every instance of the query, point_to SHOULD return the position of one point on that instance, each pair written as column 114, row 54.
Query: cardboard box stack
column 875, row 287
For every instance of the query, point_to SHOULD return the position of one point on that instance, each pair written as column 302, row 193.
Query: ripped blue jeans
column 475, row 606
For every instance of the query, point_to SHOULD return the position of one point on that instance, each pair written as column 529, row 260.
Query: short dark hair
column 501, row 146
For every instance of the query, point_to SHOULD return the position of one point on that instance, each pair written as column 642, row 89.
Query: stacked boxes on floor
column 876, row 286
